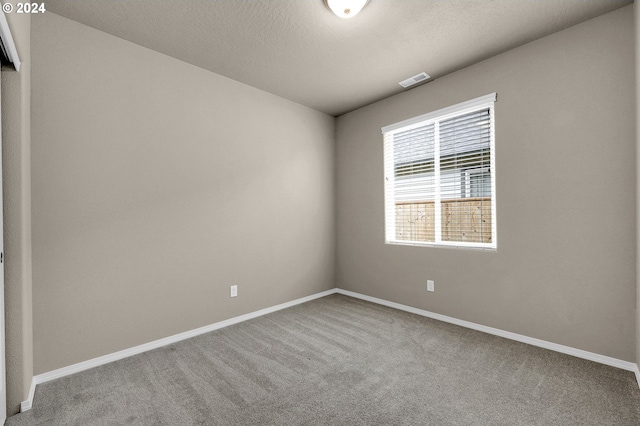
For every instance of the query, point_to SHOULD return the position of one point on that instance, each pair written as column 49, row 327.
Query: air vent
column 419, row 78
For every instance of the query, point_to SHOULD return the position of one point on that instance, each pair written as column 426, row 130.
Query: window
column 440, row 177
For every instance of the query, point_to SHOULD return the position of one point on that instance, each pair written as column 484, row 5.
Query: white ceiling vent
column 419, row 78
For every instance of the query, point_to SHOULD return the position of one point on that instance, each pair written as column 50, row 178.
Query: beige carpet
column 339, row 360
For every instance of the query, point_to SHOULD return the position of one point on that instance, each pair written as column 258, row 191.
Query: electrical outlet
column 431, row 285
column 234, row 291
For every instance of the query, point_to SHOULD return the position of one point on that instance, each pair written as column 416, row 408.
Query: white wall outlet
column 431, row 285
column 233, row 291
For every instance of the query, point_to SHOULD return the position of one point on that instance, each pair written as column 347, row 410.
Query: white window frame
column 476, row 104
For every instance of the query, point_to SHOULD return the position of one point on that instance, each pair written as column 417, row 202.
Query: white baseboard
column 26, row 405
column 602, row 359
column 95, row 362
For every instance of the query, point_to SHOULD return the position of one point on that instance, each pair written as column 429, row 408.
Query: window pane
column 465, row 143
column 414, row 184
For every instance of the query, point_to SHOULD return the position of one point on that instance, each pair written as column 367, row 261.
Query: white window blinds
column 440, row 177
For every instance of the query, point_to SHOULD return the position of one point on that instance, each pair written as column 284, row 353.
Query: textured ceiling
column 299, row 50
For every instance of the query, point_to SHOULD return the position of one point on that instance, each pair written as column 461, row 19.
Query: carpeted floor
column 341, row 361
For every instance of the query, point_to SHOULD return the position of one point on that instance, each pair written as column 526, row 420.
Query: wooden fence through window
column 463, row 219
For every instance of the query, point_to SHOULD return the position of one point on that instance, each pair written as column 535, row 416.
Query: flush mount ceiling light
column 346, row 8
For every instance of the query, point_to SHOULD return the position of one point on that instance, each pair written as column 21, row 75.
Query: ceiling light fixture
column 346, row 8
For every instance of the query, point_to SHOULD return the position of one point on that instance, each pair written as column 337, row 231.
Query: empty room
column 320, row 212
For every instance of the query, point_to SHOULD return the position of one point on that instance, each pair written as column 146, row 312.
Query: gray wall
column 156, row 186
column 16, row 98
column 565, row 169
column 636, row 16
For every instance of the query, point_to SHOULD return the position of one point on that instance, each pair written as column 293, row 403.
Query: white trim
column 602, row 359
column 492, row 166
column 95, row 362
column 453, row 109
column 5, row 34
column 26, row 405
column 437, row 180
column 105, row 359
column 445, row 244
